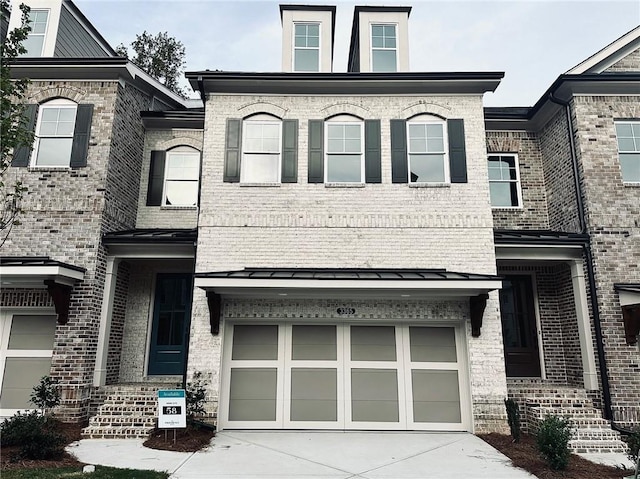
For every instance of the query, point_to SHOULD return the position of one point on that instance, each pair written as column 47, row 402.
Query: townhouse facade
column 362, row 250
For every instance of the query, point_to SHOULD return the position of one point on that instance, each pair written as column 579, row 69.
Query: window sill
column 177, row 207
column 429, row 185
column 631, row 184
column 48, row 168
column 344, row 185
column 508, row 208
column 267, row 185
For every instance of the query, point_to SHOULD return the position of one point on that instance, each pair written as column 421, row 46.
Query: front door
column 521, row 353
column 171, row 318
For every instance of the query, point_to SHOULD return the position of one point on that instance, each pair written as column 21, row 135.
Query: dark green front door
column 171, row 318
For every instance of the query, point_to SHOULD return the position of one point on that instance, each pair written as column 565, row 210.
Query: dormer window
column 383, row 48
column 34, row 43
column 306, row 55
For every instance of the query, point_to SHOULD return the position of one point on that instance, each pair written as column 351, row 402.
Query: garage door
column 344, row 376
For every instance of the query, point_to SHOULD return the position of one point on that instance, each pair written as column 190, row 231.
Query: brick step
column 116, row 432
column 597, row 446
column 547, row 392
column 539, row 413
column 120, row 420
column 559, row 402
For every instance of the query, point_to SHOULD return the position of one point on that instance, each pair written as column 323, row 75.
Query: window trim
column 179, row 149
column 55, row 103
column 344, row 119
column 425, row 120
column 517, row 181
column 372, row 48
column 264, row 119
column 44, row 34
column 294, row 47
column 637, row 151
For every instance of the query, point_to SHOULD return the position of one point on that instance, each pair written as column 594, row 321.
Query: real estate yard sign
column 172, row 409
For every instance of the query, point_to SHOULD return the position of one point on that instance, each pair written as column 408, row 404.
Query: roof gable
column 609, row 55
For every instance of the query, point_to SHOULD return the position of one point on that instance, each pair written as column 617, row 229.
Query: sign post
column 172, row 410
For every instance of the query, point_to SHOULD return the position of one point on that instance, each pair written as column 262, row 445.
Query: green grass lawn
column 71, row 472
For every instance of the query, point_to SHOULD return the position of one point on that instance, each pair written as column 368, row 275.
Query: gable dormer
column 379, row 39
column 59, row 29
column 307, row 38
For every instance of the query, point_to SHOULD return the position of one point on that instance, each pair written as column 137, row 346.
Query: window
column 344, row 150
column 181, row 177
column 383, row 48
column 504, row 181
column 34, row 43
column 261, row 150
column 427, row 150
column 628, row 134
column 54, row 133
column 306, row 53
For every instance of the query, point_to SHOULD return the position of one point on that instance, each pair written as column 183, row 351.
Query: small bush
column 633, row 444
column 553, row 441
column 34, row 433
column 46, row 395
column 513, row 416
column 196, row 395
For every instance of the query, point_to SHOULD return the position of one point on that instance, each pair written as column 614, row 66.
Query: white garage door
column 344, row 376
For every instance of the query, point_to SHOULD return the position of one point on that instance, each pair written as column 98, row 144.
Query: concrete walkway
column 313, row 455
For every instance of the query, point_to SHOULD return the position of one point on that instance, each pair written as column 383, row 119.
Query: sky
column 532, row 41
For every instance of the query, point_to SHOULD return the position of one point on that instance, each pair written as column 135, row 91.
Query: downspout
column 602, row 362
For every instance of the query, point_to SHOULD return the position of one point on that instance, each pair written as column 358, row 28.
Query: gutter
column 602, row 361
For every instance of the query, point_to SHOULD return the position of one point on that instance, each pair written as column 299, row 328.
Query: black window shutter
column 316, row 151
column 81, row 135
column 289, row 151
column 457, row 153
column 22, row 153
column 372, row 152
column 399, row 163
column 156, row 178
column 233, row 142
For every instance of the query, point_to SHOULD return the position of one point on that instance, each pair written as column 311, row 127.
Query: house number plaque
column 346, row 311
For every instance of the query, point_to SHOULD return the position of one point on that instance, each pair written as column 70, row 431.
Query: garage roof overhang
column 152, row 243
column 34, row 271
column 347, row 283
column 538, row 245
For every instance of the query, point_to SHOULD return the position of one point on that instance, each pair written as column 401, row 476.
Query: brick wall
column 534, row 212
column 630, row 63
column 613, row 217
column 117, row 323
column 165, row 216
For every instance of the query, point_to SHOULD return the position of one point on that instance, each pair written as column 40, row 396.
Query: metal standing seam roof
column 349, row 274
column 177, row 236
column 539, row 237
column 36, row 261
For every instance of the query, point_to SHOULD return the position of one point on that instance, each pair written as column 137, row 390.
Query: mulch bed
column 190, row 439
column 525, row 455
column 9, row 456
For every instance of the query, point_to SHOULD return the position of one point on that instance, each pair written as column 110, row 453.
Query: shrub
column 633, row 444
column 513, row 416
column 553, row 441
column 34, row 433
column 46, row 395
column 196, row 395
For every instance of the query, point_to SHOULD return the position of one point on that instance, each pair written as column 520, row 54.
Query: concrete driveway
column 313, row 455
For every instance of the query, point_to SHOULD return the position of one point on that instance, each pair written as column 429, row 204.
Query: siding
column 73, row 39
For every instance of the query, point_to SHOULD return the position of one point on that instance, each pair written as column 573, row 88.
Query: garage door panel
column 374, row 395
column 255, row 342
column 436, row 396
column 373, row 343
column 253, row 394
column 20, row 376
column 313, row 343
column 432, row 344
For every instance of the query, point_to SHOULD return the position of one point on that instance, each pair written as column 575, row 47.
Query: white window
column 504, row 181
column 261, row 150
column 344, row 158
column 306, row 52
column 628, row 134
column 182, row 172
column 383, row 48
column 54, row 133
column 427, row 150
column 34, row 43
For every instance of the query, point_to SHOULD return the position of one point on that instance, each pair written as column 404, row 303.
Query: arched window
column 344, row 149
column 182, row 174
column 261, row 149
column 427, row 149
column 54, row 133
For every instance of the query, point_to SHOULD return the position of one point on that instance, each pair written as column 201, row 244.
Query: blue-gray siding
column 74, row 40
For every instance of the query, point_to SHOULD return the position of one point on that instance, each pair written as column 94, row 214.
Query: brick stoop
column 591, row 433
column 128, row 411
